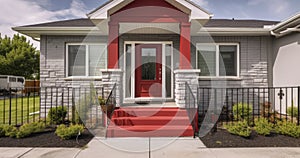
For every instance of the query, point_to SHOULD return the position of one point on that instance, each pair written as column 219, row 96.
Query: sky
column 24, row 12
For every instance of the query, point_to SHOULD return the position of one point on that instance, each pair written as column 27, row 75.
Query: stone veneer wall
column 183, row 76
column 111, row 77
column 256, row 76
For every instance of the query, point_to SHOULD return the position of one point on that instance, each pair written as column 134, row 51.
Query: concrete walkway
column 149, row 147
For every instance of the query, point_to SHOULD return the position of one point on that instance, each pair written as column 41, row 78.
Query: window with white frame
column 218, row 60
column 84, row 60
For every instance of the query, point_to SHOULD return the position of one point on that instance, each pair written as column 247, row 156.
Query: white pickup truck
column 15, row 83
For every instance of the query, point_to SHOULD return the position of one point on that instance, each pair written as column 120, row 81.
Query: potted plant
column 105, row 108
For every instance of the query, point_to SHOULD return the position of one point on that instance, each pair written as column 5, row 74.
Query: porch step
column 154, row 120
column 150, row 131
column 149, row 122
column 139, row 112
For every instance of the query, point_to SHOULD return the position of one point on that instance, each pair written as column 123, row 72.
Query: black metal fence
column 111, row 103
column 191, row 107
column 231, row 104
column 31, row 104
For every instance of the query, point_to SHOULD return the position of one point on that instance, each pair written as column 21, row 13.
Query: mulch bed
column 223, row 139
column 46, row 139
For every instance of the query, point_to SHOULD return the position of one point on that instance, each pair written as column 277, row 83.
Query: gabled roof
column 85, row 22
column 85, row 25
column 195, row 11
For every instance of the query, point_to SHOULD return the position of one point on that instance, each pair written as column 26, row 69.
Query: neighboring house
column 150, row 48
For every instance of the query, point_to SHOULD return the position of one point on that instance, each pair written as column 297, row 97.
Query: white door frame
column 133, row 43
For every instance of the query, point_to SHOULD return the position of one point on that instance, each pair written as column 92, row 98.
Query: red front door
column 148, row 72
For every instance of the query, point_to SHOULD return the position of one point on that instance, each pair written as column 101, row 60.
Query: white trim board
column 217, row 45
column 195, row 11
column 133, row 43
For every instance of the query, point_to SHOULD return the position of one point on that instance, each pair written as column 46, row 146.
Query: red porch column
column 185, row 46
column 113, row 45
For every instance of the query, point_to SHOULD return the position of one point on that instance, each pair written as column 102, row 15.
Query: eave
column 36, row 32
column 234, row 31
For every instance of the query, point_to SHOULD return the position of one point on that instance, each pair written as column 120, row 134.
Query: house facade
column 151, row 48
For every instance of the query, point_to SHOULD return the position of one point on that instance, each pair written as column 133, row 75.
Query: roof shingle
column 238, row 23
column 85, row 22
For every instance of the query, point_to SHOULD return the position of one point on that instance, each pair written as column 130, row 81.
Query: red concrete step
column 150, row 131
column 149, row 122
column 153, row 120
column 136, row 112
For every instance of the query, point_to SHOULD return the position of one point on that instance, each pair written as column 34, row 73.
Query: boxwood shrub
column 72, row 131
column 240, row 128
column 10, row 130
column 287, row 128
column 263, row 126
column 57, row 115
column 30, row 128
column 242, row 111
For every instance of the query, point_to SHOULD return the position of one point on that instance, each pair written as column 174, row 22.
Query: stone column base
column 109, row 78
column 181, row 77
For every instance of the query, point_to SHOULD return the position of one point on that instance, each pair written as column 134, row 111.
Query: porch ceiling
column 150, row 28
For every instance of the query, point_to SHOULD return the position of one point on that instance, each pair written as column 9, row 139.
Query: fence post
column 9, row 116
column 298, row 106
column 73, row 106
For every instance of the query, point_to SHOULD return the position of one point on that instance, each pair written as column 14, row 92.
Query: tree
column 18, row 57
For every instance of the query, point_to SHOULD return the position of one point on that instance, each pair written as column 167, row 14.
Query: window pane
column 168, row 68
column 128, row 71
column 97, row 59
column 77, row 60
column 228, row 61
column 207, row 60
column 148, row 63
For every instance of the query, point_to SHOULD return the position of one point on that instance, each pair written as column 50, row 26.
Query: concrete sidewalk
column 149, row 147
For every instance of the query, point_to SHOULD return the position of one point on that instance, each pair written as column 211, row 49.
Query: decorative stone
column 183, row 76
column 111, row 77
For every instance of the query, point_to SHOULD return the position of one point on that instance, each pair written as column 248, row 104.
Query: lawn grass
column 21, row 109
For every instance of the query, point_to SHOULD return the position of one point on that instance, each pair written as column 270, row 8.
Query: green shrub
column 292, row 111
column 82, row 109
column 2, row 130
column 65, row 132
column 263, row 126
column 30, row 128
column 240, row 128
column 288, row 128
column 10, row 131
column 242, row 111
column 57, row 115
column 101, row 100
